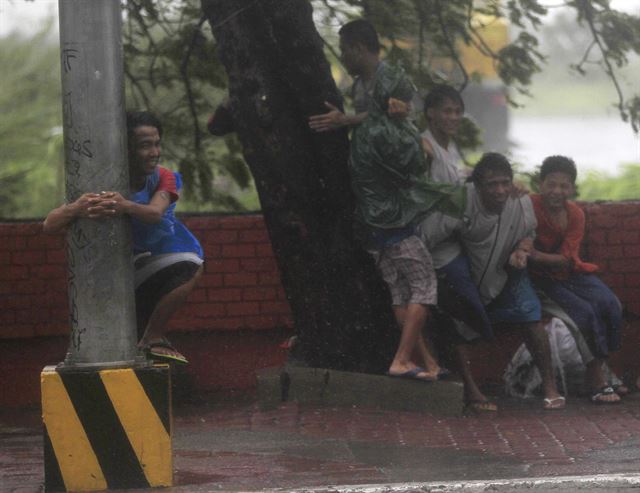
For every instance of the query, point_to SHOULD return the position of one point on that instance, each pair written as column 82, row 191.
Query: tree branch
column 197, row 137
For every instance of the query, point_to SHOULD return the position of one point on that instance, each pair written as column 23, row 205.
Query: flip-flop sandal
column 480, row 407
column 413, row 375
column 620, row 389
column 443, row 373
column 553, row 404
column 596, row 395
column 174, row 358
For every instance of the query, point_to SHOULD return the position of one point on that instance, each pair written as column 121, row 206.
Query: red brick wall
column 238, row 315
column 239, row 289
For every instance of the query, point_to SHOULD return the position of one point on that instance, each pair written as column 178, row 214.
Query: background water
column 599, row 143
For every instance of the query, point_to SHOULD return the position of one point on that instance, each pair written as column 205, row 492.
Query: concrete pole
column 101, row 294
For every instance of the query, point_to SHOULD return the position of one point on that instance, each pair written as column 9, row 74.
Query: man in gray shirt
column 496, row 233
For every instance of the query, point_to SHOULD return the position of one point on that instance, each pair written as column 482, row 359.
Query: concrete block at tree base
column 319, row 386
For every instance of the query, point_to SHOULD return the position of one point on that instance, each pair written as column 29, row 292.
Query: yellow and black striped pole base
column 106, row 429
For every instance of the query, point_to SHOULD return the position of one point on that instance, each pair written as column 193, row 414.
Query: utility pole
column 107, row 417
column 100, row 276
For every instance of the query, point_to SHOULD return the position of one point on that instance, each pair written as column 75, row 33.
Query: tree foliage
column 172, row 68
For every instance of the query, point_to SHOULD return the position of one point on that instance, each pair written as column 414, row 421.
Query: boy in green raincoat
column 388, row 178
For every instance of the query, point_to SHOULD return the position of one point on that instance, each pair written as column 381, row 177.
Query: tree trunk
column 278, row 77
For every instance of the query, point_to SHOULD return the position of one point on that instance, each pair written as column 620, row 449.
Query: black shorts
column 159, row 284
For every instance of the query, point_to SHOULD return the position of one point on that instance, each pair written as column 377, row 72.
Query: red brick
column 285, row 320
column 56, row 257
column 235, row 251
column 211, row 251
column 282, row 296
column 264, row 264
column 264, row 250
column 59, row 313
column 269, row 279
column 237, row 222
column 254, row 236
column 275, row 307
column 205, row 323
column 56, row 297
column 621, row 236
column 5, row 257
column 13, row 243
column 30, row 258
column 632, row 223
column 14, row 272
column 631, row 281
column 52, row 328
column 38, row 242
column 16, row 331
column 613, row 280
column 243, row 308
column 198, row 295
column 40, row 315
column 240, row 279
column 596, row 237
column 49, row 271
column 26, row 229
column 7, row 317
column 259, row 294
column 631, row 209
column 16, row 301
column 195, row 223
column 222, row 265
column 225, row 294
column 55, row 242
column 214, row 323
column 261, row 322
column 632, row 251
column 622, row 265
column 603, row 221
column 605, row 252
column 208, row 280
column 634, row 307
column 203, row 310
column 221, row 237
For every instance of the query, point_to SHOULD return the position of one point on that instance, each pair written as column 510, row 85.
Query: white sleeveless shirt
column 446, row 163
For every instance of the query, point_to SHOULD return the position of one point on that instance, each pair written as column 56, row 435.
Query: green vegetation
column 31, row 155
column 597, row 186
column 172, row 69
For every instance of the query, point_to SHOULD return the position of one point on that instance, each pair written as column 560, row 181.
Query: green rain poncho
column 387, row 163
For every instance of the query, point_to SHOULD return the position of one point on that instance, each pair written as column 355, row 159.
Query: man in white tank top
column 443, row 109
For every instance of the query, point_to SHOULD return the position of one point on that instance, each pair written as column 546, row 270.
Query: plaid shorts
column 408, row 270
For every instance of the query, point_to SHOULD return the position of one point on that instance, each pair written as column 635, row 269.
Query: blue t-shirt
column 167, row 236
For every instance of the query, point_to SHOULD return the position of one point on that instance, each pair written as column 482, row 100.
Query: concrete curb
column 562, row 483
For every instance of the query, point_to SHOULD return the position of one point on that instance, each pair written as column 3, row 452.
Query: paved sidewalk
column 227, row 443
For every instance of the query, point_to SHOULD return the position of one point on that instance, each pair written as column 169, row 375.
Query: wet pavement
column 226, row 442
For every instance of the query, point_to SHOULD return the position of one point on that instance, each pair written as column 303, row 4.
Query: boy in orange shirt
column 557, row 269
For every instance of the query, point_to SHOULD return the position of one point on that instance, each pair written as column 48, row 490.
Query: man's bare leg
column 537, row 342
column 421, row 351
column 473, row 396
column 414, row 318
column 164, row 310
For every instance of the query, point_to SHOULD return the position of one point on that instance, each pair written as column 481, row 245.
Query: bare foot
column 413, row 372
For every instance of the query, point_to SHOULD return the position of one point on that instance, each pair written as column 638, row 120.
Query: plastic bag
column 522, row 378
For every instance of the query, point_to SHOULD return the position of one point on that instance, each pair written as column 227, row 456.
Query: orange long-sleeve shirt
column 552, row 239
